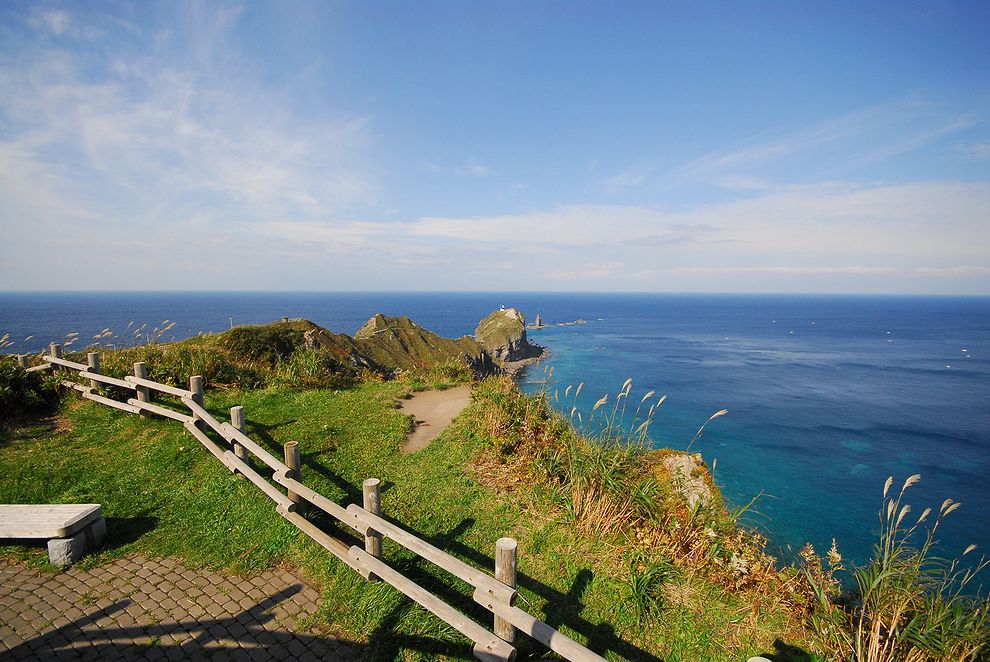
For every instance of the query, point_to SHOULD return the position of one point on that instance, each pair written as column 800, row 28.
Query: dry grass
column 615, row 486
column 907, row 604
column 596, row 509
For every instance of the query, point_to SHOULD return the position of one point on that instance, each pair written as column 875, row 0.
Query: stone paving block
column 73, row 613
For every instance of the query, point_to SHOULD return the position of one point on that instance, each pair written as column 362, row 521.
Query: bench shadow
column 126, row 530
column 239, row 636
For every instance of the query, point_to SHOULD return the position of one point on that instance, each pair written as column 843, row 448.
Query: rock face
column 503, row 335
column 687, row 474
column 341, row 345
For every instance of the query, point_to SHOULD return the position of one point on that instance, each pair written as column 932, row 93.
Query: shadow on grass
column 126, row 530
column 27, row 428
column 561, row 610
column 352, row 492
column 784, row 652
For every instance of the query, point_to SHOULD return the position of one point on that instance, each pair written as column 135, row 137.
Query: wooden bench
column 71, row 529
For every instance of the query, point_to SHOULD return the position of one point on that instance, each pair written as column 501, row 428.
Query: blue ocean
column 827, row 395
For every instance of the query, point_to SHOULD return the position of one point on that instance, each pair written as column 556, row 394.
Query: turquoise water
column 827, row 395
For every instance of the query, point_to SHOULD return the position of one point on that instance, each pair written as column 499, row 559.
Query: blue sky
column 655, row 146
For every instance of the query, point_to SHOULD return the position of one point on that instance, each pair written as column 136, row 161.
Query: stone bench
column 71, row 529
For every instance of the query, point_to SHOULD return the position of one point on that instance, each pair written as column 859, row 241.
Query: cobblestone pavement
column 142, row 609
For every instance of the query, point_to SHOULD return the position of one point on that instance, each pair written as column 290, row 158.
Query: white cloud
column 788, row 270
column 826, row 231
column 53, row 19
column 473, row 168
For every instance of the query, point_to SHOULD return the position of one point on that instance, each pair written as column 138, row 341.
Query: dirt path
column 434, row 410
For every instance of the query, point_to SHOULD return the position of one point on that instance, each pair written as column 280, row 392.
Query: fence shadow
column 561, row 609
column 236, row 636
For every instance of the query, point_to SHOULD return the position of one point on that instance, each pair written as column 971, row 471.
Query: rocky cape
column 503, row 335
column 392, row 345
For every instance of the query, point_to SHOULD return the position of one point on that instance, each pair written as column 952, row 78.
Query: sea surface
column 827, row 395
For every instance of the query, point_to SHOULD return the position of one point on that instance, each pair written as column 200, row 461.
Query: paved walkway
column 141, row 609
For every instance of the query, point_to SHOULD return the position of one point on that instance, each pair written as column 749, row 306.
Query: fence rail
column 496, row 594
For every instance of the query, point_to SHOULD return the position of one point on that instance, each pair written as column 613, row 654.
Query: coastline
column 515, row 368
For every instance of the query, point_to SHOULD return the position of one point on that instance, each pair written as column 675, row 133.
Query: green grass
column 164, row 495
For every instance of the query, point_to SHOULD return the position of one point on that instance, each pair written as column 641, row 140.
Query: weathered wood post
column 55, row 350
column 196, row 386
column 237, row 421
column 293, row 460
column 24, row 361
column 93, row 361
column 143, row 392
column 505, row 572
column 373, row 504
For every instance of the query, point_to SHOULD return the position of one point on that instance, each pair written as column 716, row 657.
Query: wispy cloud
column 864, row 137
column 157, row 138
column 54, row 20
column 631, row 177
column 743, row 182
column 473, row 168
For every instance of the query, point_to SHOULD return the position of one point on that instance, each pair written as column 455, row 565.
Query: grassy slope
column 166, row 495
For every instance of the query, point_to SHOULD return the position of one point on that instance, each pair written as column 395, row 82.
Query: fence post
column 237, row 421
column 24, row 361
column 143, row 392
column 505, row 572
column 196, row 386
column 372, row 488
column 55, row 350
column 293, row 460
column 93, row 360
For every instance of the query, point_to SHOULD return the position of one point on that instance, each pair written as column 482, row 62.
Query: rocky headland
column 392, row 345
column 503, row 335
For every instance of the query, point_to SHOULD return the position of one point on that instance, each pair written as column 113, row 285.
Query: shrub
column 268, row 343
column 23, row 393
column 174, row 363
column 312, row 368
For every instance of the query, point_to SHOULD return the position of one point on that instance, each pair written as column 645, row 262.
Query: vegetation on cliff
column 399, row 343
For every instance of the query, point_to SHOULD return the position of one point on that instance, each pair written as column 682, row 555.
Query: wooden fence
column 496, row 594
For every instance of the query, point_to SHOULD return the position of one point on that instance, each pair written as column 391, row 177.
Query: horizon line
column 512, row 292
